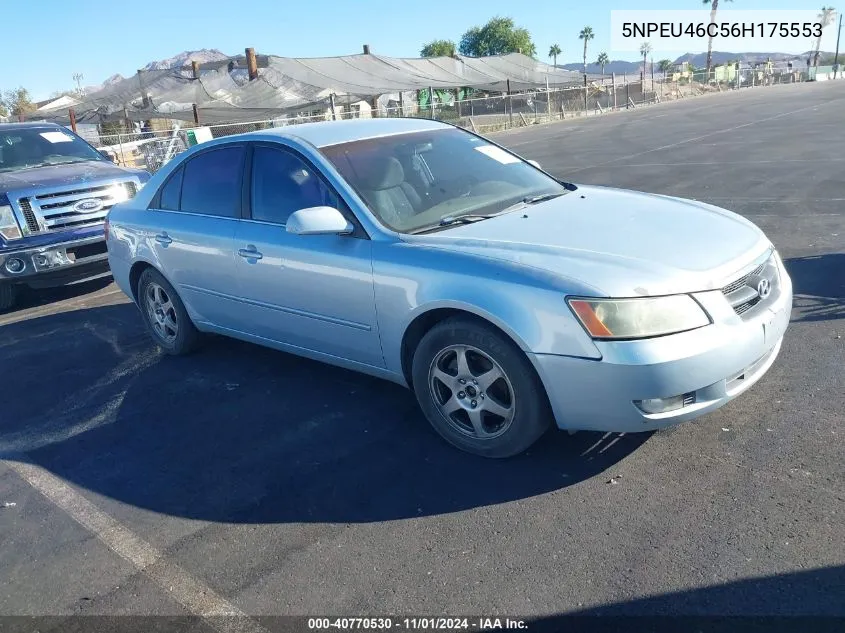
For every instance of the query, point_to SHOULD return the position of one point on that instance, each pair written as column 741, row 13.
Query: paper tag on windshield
column 56, row 137
column 497, row 154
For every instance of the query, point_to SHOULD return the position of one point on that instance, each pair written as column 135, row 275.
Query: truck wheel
column 8, row 295
column 165, row 314
column 478, row 389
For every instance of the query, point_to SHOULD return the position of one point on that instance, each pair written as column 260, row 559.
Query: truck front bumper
column 58, row 264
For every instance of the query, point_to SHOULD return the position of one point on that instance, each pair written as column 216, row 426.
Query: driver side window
column 282, row 183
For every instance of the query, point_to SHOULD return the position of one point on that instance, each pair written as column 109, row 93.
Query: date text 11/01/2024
column 417, row 624
column 721, row 29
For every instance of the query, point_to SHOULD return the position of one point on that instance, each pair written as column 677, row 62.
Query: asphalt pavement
column 243, row 480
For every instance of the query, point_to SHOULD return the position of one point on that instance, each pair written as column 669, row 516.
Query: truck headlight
column 641, row 317
column 9, row 228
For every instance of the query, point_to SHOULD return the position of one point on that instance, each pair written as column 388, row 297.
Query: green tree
column 586, row 34
column 714, row 5
column 17, row 102
column 438, row 48
column 826, row 18
column 498, row 37
column 554, row 51
column 645, row 49
column 603, row 60
column 664, row 66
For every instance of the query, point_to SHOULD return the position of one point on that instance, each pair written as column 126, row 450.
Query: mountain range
column 699, row 60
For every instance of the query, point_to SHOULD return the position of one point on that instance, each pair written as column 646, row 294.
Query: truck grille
column 742, row 293
column 73, row 208
column 29, row 216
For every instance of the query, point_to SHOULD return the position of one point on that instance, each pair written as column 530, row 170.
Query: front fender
column 525, row 304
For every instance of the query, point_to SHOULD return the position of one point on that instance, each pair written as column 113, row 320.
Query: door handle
column 164, row 239
column 250, row 252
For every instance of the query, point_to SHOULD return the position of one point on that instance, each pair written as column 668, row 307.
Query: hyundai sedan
column 508, row 301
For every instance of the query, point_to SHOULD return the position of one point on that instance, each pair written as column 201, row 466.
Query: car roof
column 28, row 125
column 325, row 133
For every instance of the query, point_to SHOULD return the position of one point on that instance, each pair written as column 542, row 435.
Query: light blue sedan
column 426, row 255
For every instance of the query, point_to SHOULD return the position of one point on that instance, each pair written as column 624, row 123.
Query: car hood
column 621, row 243
column 58, row 175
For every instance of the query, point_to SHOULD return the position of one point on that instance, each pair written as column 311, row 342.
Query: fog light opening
column 15, row 265
column 665, row 405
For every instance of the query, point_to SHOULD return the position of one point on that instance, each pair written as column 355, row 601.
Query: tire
column 165, row 316
column 8, row 296
column 500, row 409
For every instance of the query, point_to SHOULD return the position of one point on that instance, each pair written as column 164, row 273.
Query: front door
column 310, row 291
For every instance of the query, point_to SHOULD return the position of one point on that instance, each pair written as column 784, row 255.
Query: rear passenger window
column 171, row 190
column 211, row 183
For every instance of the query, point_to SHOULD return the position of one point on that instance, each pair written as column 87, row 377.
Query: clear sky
column 99, row 38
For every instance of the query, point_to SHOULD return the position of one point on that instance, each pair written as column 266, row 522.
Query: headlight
column 640, row 317
column 9, row 228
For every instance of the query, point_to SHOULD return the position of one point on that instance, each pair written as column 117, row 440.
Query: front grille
column 742, row 308
column 29, row 216
column 55, row 211
column 739, row 283
column 742, row 293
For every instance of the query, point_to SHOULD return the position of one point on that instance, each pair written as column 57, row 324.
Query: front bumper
column 711, row 365
column 55, row 264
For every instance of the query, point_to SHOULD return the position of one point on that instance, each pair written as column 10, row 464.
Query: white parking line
column 199, row 599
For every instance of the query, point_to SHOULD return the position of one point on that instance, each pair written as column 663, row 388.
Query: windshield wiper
column 468, row 218
column 533, row 200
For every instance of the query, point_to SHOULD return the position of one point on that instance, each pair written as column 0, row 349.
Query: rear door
column 310, row 291
column 196, row 213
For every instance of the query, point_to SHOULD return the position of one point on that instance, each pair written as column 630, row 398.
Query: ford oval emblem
column 89, row 205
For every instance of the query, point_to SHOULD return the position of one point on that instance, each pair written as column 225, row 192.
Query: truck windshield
column 39, row 147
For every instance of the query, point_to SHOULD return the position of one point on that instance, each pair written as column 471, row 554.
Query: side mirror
column 318, row 221
column 535, row 163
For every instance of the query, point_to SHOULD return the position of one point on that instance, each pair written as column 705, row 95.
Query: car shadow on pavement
column 239, row 433
column 798, row 601
column 819, row 286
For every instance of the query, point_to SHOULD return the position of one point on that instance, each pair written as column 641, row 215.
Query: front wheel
column 478, row 389
column 165, row 314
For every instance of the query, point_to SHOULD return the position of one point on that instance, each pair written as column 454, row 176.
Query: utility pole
column 836, row 56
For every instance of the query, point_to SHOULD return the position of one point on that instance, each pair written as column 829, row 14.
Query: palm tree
column 714, row 5
column 586, row 34
column 664, row 65
column 554, row 51
column 645, row 49
column 603, row 60
column 826, row 17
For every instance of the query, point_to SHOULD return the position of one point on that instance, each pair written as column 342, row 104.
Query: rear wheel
column 165, row 314
column 478, row 389
column 8, row 296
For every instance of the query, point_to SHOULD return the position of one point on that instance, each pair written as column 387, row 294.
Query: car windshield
column 429, row 180
column 37, row 147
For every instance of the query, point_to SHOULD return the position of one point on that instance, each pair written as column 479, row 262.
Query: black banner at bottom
column 297, row 624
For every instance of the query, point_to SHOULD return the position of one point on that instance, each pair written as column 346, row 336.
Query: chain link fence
column 161, row 140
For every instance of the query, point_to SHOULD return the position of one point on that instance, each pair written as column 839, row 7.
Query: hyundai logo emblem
column 89, row 205
column 764, row 288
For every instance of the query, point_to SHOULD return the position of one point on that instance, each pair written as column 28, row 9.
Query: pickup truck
column 55, row 193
